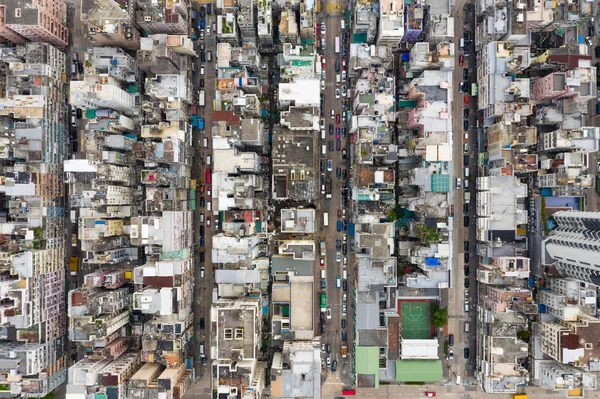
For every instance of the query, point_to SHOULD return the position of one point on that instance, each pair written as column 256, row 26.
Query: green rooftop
column 418, row 370
column 367, row 361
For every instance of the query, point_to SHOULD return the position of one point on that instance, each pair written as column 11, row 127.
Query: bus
column 323, row 302
column 474, row 89
column 193, row 199
column 325, row 219
column 337, row 45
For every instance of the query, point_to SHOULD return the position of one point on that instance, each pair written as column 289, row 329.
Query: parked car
column 466, row 257
column 466, row 353
column 467, row 282
column 466, row 221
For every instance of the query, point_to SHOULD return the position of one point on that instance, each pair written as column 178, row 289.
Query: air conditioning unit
column 147, row 18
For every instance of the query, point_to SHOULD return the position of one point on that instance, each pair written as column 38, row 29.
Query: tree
column 524, row 335
column 392, row 216
column 439, row 316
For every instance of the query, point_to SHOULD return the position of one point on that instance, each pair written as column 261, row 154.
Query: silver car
column 343, row 309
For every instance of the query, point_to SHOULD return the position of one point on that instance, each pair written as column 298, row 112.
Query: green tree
column 524, row 335
column 439, row 316
column 392, row 216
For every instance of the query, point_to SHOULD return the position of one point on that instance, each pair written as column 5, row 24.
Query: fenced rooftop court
column 416, row 320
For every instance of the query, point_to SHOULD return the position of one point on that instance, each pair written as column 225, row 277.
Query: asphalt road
column 456, row 296
column 334, row 269
column 203, row 285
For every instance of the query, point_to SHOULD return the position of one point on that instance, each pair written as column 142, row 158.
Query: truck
column 337, row 45
column 194, row 120
column 467, row 197
column 215, row 295
column 322, row 247
column 326, row 219
column 339, row 225
column 328, row 188
column 193, row 183
column 344, row 351
column 201, row 102
column 74, row 265
column 323, row 303
column 201, row 123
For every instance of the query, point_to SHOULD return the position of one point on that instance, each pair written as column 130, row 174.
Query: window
column 17, row 13
column 239, row 333
column 229, row 333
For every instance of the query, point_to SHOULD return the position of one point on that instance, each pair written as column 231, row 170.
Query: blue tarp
column 546, row 192
column 405, row 56
column 432, row 261
column 351, row 229
column 531, row 282
column 542, row 307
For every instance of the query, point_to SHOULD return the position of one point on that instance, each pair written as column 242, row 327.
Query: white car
column 333, row 114
column 343, row 309
column 323, row 29
column 344, row 297
column 202, row 70
column 338, row 257
column 337, row 94
column 344, row 237
column 208, row 31
column 451, row 355
column 328, row 313
column 322, row 85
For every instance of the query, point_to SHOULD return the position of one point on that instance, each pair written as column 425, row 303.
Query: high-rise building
column 36, row 20
column 574, row 245
column 32, row 221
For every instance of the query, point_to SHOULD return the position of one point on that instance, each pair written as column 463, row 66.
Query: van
column 73, row 69
column 466, row 184
column 343, row 24
column 208, row 159
column 322, row 134
column 466, row 310
column 451, row 340
column 462, row 43
column 202, row 272
column 338, row 79
column 205, row 142
column 345, row 274
column 466, row 327
column 322, row 274
column 466, row 173
column 323, row 149
column 202, row 349
column 338, row 282
column 209, row 205
column 209, row 56
column 201, row 217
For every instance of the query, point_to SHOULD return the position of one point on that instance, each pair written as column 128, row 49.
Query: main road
column 332, row 15
column 457, row 295
column 203, row 285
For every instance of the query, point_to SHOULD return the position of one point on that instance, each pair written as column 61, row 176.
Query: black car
column 466, row 113
column 343, row 335
column 322, row 178
column 344, row 153
column 344, row 132
column 465, row 74
column 344, row 105
column 338, row 144
column 209, row 8
column 201, row 202
column 343, row 323
column 466, row 245
column 322, row 165
column 202, row 56
column 203, row 358
column 597, row 52
column 591, row 29
column 466, row 159
column 465, row 208
column 80, row 68
column 334, row 365
column 202, row 12
column 337, row 65
column 344, row 174
column 344, row 249
column 202, row 256
column 466, row 269
column 467, row 282
column 338, row 245
column 202, row 82
column 323, row 330
column 331, row 129
column 75, row 146
column 202, row 323
column 466, row 221
column 466, row 353
column 345, row 286
column 338, row 173
column 463, row 88
column 202, row 241
column 330, row 145
column 79, row 113
column 466, row 124
column 466, row 257
column 202, row 230
column 323, row 285
column 328, row 348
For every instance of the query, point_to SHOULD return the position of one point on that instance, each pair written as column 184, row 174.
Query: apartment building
column 168, row 17
column 33, row 222
column 35, row 20
column 107, row 25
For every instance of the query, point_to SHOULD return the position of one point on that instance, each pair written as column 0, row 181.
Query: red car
column 208, row 221
column 208, row 176
column 466, row 101
column 344, row 64
column 461, row 60
column 429, row 393
column 337, row 118
column 339, row 213
column 323, row 62
column 322, row 262
column 209, row 193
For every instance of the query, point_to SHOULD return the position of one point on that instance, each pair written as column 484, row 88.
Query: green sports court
column 416, row 320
